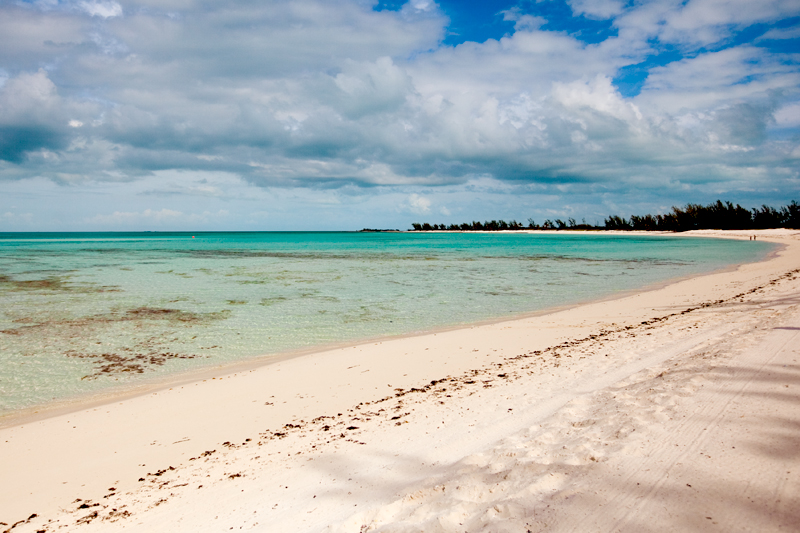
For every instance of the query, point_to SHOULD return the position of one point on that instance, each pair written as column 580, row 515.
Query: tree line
column 716, row 215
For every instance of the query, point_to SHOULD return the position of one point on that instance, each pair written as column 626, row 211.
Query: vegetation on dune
column 716, row 215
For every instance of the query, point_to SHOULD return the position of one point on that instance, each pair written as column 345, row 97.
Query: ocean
column 85, row 313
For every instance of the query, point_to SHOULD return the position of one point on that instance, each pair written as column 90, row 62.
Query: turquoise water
column 80, row 313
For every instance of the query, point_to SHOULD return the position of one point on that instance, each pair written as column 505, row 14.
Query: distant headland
column 716, row 215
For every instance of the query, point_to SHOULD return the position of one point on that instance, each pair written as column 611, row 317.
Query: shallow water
column 80, row 313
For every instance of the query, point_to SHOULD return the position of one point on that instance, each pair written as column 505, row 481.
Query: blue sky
column 309, row 114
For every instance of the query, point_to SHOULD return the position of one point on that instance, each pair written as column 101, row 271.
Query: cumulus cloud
column 419, row 204
column 16, row 219
column 29, row 97
column 324, row 95
column 101, row 9
column 779, row 34
column 718, row 78
column 708, row 21
column 788, row 116
column 28, row 104
column 597, row 94
column 601, row 9
column 694, row 23
column 372, row 87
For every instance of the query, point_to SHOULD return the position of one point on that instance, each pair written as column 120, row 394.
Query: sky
column 338, row 115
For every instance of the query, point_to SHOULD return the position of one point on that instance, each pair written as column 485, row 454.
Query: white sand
column 674, row 409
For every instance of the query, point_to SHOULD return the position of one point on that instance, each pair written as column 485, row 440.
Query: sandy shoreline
column 541, row 423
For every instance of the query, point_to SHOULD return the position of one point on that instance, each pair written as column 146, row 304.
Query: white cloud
column 105, row 10
column 422, row 5
column 418, row 204
column 779, row 34
column 597, row 94
column 523, row 22
column 28, row 94
column 372, row 87
column 330, row 95
column 788, row 116
column 707, row 21
column 11, row 219
column 698, row 23
column 600, row 9
column 717, row 78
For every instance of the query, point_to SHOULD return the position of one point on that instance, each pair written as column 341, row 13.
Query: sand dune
column 673, row 409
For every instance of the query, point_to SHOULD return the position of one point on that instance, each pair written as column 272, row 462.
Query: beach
column 670, row 409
